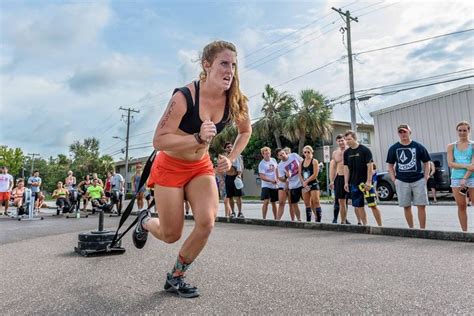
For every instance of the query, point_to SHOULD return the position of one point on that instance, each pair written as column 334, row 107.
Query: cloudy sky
column 67, row 66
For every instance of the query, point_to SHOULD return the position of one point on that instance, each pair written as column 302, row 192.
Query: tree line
column 84, row 159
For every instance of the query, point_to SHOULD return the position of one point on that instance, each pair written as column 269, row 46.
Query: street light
column 126, row 161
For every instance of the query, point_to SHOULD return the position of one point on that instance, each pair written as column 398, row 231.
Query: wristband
column 198, row 138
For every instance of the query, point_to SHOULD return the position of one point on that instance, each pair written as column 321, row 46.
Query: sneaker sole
column 185, row 295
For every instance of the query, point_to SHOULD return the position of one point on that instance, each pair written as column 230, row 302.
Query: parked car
column 386, row 188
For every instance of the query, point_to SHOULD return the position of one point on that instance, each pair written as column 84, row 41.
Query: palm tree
column 276, row 108
column 311, row 118
column 228, row 134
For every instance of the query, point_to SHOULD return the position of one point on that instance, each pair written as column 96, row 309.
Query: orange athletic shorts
column 168, row 171
column 4, row 196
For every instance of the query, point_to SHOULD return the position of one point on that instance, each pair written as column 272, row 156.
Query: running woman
column 195, row 114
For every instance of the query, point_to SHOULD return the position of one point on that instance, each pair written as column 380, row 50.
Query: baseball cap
column 404, row 127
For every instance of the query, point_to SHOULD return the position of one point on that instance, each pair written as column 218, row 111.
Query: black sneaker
column 178, row 286
column 140, row 235
column 241, row 215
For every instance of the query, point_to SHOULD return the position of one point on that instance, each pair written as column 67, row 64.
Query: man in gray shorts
column 404, row 160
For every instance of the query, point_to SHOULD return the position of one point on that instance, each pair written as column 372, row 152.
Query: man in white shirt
column 6, row 185
column 289, row 169
column 266, row 171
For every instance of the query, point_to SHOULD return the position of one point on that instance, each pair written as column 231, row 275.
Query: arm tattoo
column 166, row 117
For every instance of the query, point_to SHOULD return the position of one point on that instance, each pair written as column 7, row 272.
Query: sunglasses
column 402, row 131
column 306, row 152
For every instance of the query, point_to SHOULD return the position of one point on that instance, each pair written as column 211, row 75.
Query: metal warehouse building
column 432, row 119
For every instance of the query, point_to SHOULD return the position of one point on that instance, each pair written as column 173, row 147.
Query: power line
column 413, row 42
column 420, row 86
column 144, row 133
column 380, row 8
column 256, row 64
column 405, row 82
column 296, row 31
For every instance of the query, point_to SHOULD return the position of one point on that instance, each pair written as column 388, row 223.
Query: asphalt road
column 245, row 269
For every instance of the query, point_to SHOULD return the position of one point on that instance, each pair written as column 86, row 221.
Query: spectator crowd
column 352, row 179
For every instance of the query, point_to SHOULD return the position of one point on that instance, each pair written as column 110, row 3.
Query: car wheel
column 384, row 191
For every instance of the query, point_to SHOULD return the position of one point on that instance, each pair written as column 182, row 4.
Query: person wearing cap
column 409, row 168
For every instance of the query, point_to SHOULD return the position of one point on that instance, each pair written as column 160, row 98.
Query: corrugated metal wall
column 433, row 121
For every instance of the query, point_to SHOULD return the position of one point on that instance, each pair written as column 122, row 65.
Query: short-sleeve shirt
column 95, row 192
column 268, row 169
column 291, row 165
column 5, row 180
column 116, row 182
column 356, row 160
column 407, row 160
column 32, row 180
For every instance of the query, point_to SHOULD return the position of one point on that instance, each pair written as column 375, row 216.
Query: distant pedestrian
column 309, row 171
column 99, row 181
column 34, row 182
column 83, row 186
column 358, row 167
column 18, row 192
column 70, row 181
column 6, row 185
column 289, row 169
column 135, row 184
column 108, row 186
column 61, row 195
column 118, row 187
column 409, row 169
column 231, row 176
column 431, row 184
column 336, row 178
column 267, row 173
column 461, row 162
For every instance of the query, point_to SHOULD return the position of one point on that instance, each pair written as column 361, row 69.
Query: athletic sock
column 319, row 212
column 308, row 214
column 144, row 221
column 180, row 266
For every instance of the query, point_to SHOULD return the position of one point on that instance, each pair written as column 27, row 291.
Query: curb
column 370, row 230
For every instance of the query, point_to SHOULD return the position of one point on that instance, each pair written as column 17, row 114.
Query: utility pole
column 126, row 144
column 347, row 18
column 33, row 162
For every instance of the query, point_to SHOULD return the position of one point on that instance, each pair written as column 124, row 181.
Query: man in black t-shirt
column 405, row 160
column 358, row 168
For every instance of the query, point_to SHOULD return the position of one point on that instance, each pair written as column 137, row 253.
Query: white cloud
column 53, row 32
column 117, row 71
column 190, row 65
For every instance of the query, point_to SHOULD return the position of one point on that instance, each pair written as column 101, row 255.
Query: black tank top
column 308, row 171
column 191, row 122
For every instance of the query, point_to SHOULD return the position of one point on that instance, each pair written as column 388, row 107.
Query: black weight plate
column 96, row 237
column 94, row 245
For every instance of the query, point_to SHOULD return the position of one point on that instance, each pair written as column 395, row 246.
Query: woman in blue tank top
column 461, row 162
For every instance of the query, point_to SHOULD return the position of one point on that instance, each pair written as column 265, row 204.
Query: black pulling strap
column 128, row 210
